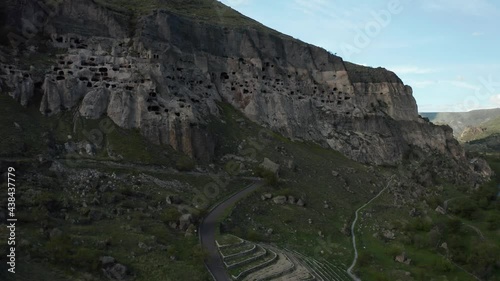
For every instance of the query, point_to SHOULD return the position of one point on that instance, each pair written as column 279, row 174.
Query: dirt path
column 349, row 270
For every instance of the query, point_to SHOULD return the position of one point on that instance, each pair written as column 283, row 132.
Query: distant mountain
column 482, row 131
column 468, row 126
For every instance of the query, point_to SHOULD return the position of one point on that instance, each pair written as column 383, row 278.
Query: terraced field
column 251, row 262
column 325, row 270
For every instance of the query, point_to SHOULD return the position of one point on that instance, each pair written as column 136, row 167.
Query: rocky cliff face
column 163, row 73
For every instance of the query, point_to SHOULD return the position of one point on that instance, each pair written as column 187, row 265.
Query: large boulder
column 280, row 200
column 117, row 272
column 270, row 166
column 185, row 221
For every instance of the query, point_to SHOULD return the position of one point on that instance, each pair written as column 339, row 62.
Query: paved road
column 208, row 228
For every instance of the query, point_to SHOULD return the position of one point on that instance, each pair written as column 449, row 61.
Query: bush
column 60, row 250
column 185, row 164
column 493, row 222
column 485, row 195
column 86, row 258
column 395, row 250
column 364, row 259
column 453, row 226
column 419, row 224
column 269, row 177
column 483, row 257
column 463, row 207
column 170, row 215
column 434, row 201
column 198, row 253
column 443, row 265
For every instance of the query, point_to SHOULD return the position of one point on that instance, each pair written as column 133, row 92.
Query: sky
column 447, row 50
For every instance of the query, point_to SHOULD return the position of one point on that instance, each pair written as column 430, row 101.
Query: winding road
column 208, row 228
column 349, row 270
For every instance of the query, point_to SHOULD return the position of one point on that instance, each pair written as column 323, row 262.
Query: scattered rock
column 414, row 213
column 184, row 221
column 117, row 272
column 279, row 199
column 173, row 200
column 346, row 230
column 440, row 210
column 144, row 247
column 107, row 260
column 270, row 165
column 300, row 203
column 55, row 233
column 266, row 196
column 291, row 199
column 403, row 259
column 190, row 231
column 335, row 173
column 389, row 234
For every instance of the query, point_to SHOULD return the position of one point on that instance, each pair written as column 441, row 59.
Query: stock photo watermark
column 370, row 30
column 11, row 220
column 30, row 27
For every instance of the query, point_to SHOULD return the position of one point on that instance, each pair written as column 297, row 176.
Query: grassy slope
column 419, row 239
column 310, row 179
column 313, row 181
column 210, row 11
column 21, row 145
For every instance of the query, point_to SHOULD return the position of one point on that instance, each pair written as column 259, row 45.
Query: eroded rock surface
column 165, row 74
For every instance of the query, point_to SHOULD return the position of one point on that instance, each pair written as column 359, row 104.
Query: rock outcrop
column 165, row 72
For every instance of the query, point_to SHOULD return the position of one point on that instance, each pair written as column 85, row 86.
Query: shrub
column 198, row 253
column 364, row 259
column 269, row 177
column 185, row 164
column 463, row 207
column 86, row 258
column 483, row 257
column 419, row 224
column 170, row 215
column 394, row 250
column 443, row 265
column 61, row 250
column 453, row 226
column 493, row 222
column 434, row 201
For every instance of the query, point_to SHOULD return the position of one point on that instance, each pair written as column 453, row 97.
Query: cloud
column 410, row 69
column 465, row 7
column 421, row 84
column 461, row 84
column 495, row 100
column 477, row 33
column 337, row 16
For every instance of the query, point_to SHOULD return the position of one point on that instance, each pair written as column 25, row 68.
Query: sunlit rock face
column 164, row 74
